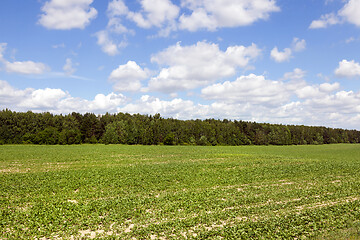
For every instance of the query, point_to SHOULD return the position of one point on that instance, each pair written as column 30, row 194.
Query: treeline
column 124, row 128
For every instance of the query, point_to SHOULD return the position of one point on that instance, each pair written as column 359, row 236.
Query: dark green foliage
column 203, row 141
column 169, row 139
column 75, row 128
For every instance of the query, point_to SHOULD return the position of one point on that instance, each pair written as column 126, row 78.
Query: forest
column 123, row 128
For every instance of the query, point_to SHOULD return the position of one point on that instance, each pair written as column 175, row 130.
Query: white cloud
column 338, row 109
column 325, row 21
column 29, row 98
column 343, row 102
column 198, row 19
column 56, row 100
column 67, row 14
column 351, row 12
column 203, row 14
column 157, row 13
column 128, row 77
column 100, row 104
column 328, row 87
column 68, row 67
column 214, row 14
column 320, row 104
column 25, row 67
column 177, row 108
column 297, row 45
column 117, row 9
column 10, row 96
column 279, row 56
column 108, row 102
column 197, row 65
column 307, row 92
column 115, row 25
column 107, row 45
column 348, row 69
column 316, row 91
column 43, row 98
column 255, row 98
column 248, row 89
column 297, row 74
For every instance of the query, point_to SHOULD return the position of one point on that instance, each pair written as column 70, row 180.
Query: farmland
column 179, row 192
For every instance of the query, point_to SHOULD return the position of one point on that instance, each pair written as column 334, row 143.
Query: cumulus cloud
column 197, row 65
column 251, row 89
column 349, row 13
column 115, row 11
column 328, row 87
column 304, row 91
column 158, row 13
column 342, row 102
column 29, row 98
column 255, row 98
column 297, row 74
column 56, row 100
column 325, row 21
column 117, row 8
column 24, row 67
column 128, row 77
column 42, row 98
column 255, row 90
column 348, row 69
column 65, row 15
column 107, row 44
column 334, row 109
column 177, row 108
column 10, row 96
column 211, row 15
column 154, row 13
column 281, row 56
column 199, row 14
column 297, row 45
column 321, row 104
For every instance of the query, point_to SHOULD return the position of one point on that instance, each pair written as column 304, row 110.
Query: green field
column 179, row 192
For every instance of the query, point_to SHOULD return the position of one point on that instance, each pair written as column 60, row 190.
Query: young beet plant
column 178, row 192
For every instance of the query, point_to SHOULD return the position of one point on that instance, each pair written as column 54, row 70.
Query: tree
column 115, row 133
column 203, row 141
column 169, row 139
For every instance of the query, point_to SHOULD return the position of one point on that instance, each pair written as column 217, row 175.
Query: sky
column 274, row 61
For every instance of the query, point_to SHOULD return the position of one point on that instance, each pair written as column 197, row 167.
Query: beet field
column 179, row 192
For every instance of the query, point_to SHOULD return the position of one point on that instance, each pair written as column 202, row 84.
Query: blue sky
column 276, row 61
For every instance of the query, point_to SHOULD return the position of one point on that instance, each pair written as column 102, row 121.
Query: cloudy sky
column 276, row 61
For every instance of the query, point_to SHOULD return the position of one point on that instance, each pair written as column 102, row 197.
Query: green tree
column 169, row 139
column 115, row 133
column 203, row 141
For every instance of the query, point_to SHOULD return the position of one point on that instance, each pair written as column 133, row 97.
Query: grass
column 179, row 192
